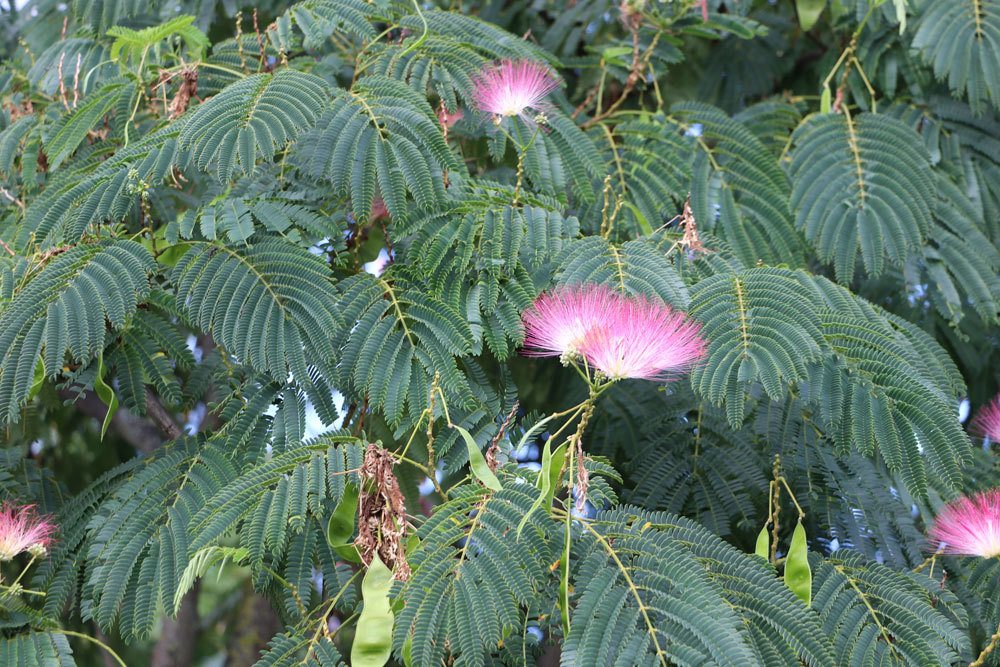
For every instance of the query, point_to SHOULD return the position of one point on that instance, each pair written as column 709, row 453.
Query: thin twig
column 11, row 198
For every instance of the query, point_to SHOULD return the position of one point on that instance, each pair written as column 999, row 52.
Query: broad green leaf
column 615, row 55
column 548, row 479
column 900, row 14
column 408, row 651
column 340, row 527
column 477, row 462
column 763, row 546
column 106, row 394
column 37, row 379
column 809, row 11
column 798, row 575
column 555, row 469
column 373, row 639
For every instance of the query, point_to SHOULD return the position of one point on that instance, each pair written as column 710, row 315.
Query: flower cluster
column 987, row 421
column 23, row 529
column 512, row 88
column 620, row 336
column 969, row 526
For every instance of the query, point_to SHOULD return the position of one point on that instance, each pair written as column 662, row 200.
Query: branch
column 159, row 416
column 139, row 432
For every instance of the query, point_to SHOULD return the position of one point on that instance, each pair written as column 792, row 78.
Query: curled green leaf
column 548, row 480
column 106, row 394
column 37, row 379
column 340, row 527
column 477, row 461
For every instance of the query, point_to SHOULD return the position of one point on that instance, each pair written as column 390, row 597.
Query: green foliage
column 663, row 588
column 65, row 308
column 90, row 195
column 691, row 463
column 261, row 284
column 762, row 327
column 36, row 648
column 380, row 136
column 472, row 582
column 273, row 280
column 873, row 613
column 318, row 19
column 777, row 328
column 961, row 41
column 405, row 337
column 286, row 650
column 131, row 45
column 636, row 267
column 860, row 183
column 73, row 130
column 252, row 118
column 738, row 190
column 651, row 170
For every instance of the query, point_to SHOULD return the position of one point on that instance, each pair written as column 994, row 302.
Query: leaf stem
column 520, row 164
column 575, row 449
column 80, row 635
column 423, row 36
column 981, row 660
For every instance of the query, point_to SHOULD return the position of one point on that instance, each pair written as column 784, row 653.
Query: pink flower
column 557, row 324
column 620, row 336
column 646, row 340
column 449, row 118
column 969, row 526
column 379, row 209
column 987, row 420
column 22, row 529
column 511, row 88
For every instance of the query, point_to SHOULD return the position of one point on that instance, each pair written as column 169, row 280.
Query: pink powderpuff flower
column 558, row 322
column 512, row 88
column 645, row 339
column 449, row 118
column 969, row 526
column 23, row 529
column 379, row 209
column 987, row 421
column 620, row 336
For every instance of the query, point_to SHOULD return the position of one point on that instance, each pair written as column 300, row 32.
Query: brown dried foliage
column 187, row 89
column 382, row 513
column 690, row 240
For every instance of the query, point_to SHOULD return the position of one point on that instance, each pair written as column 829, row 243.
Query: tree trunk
column 254, row 626
column 175, row 647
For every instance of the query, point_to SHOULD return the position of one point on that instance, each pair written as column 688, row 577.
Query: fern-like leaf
column 961, row 41
column 252, row 119
column 471, row 579
column 283, row 289
column 860, row 183
column 67, row 307
column 875, row 615
column 379, row 136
